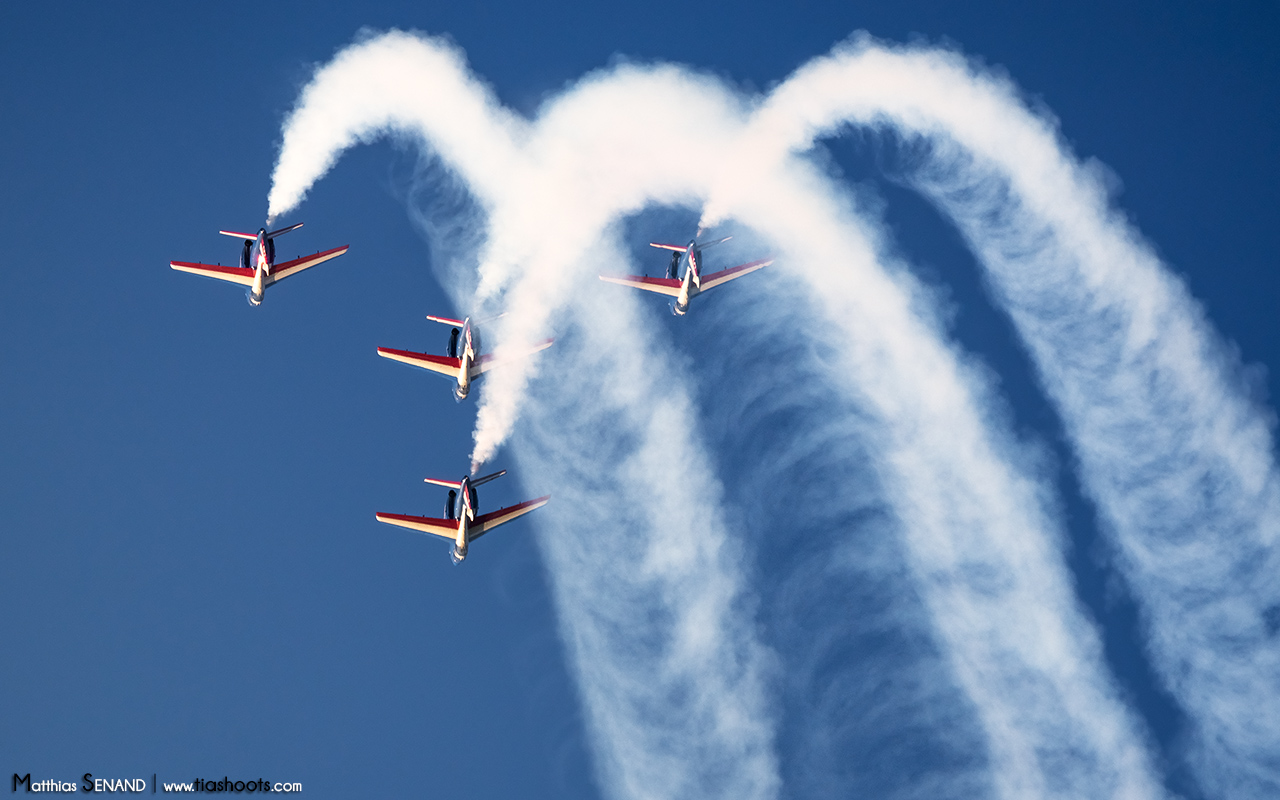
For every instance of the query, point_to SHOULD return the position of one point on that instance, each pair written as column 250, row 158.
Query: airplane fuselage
column 466, row 515
column 467, row 357
column 258, row 255
column 689, row 269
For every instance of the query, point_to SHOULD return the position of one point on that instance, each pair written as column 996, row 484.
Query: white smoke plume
column 342, row 107
column 1177, row 458
column 649, row 589
column 647, row 579
column 976, row 522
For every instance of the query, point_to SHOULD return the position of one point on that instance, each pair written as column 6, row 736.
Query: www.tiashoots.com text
column 88, row 783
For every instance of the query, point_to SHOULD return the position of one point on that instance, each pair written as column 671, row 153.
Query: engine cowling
column 450, row 505
column 452, row 349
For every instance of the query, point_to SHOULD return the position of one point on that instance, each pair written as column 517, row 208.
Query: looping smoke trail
column 342, row 107
column 648, row 586
column 868, row 685
column 1178, row 459
column 635, row 533
column 979, row 538
column 973, row 515
column 974, row 522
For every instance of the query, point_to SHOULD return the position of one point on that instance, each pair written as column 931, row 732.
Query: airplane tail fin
column 283, row 231
column 438, row 482
column 487, row 478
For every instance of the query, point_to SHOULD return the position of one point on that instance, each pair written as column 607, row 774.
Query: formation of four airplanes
column 462, row 362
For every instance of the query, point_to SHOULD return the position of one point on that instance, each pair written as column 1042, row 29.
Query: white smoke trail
column 635, row 534
column 976, row 533
column 357, row 97
column 867, row 687
column 1176, row 457
column 974, row 525
column 647, row 584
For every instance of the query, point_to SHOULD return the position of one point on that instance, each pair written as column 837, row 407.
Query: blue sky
column 195, row 585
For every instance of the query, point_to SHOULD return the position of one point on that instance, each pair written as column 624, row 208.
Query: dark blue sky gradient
column 194, row 584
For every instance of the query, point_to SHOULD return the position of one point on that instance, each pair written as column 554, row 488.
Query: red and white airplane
column 258, row 268
column 462, row 360
column 685, row 280
column 461, row 524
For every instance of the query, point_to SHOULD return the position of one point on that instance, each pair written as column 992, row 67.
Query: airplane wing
column 441, row 364
column 487, row 522
column 667, row 286
column 444, row 528
column 284, row 269
column 725, row 275
column 490, row 360
column 240, row 275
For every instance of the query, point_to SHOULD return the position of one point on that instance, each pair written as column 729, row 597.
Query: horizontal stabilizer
column 457, row 323
column 282, row 231
column 705, row 245
column 253, row 237
column 487, row 478
column 679, row 248
column 438, row 482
